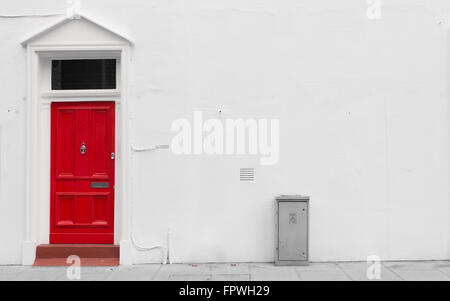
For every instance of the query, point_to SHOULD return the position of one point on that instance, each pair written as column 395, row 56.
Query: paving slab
column 176, row 277
column 13, row 268
column 91, row 274
column 357, row 271
column 324, row 276
column 41, row 274
column 8, row 273
column 319, row 266
column 230, row 268
column 270, row 272
column 231, row 277
column 444, row 269
column 134, row 273
column 166, row 271
column 414, row 265
column 420, row 270
column 422, row 275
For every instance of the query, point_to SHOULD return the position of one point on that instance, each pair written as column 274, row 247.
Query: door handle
column 83, row 148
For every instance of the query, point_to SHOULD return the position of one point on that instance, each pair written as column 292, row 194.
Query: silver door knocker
column 83, row 148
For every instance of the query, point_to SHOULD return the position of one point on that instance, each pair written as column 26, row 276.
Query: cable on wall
column 149, row 149
column 142, row 248
column 164, row 249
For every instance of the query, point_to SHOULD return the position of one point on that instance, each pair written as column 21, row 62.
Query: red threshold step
column 90, row 255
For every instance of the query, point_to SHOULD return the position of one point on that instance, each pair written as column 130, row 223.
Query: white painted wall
column 363, row 109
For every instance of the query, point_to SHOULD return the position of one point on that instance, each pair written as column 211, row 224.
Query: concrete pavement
column 331, row 271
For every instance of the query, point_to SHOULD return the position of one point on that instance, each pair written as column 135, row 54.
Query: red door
column 82, row 173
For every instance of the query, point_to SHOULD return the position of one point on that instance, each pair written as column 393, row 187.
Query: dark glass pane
column 83, row 74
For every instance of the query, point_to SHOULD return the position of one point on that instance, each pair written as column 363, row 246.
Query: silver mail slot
column 99, row 185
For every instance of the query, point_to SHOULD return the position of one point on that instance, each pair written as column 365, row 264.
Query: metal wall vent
column 247, row 175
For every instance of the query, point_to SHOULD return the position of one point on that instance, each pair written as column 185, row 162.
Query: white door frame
column 38, row 105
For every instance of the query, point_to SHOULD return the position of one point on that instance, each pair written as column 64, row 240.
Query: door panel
column 82, row 173
column 66, row 147
column 293, row 231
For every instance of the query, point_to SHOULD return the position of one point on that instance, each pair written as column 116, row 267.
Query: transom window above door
column 83, row 74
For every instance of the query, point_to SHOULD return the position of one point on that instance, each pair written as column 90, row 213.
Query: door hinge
column 113, row 156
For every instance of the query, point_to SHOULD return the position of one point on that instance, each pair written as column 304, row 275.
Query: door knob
column 83, row 148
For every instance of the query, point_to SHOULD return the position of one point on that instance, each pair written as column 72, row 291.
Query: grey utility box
column 292, row 230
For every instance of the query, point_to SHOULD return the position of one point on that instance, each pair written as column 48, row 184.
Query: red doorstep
column 90, row 255
column 89, row 262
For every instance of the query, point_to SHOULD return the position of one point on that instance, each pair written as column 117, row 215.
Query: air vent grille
column 247, row 175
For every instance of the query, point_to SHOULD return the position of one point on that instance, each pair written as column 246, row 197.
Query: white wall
column 12, row 139
column 363, row 109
